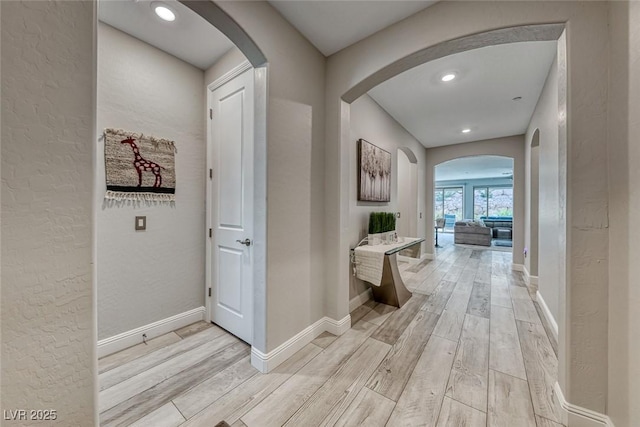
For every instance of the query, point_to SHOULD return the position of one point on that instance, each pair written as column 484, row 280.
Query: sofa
column 472, row 233
column 499, row 225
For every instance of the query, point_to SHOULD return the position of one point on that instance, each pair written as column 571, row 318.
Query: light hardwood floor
column 468, row 349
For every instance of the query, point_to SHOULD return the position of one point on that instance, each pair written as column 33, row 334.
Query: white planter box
column 381, row 238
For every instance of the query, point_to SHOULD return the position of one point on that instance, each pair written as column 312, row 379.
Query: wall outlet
column 141, row 223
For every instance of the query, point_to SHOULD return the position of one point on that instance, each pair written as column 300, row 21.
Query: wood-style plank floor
column 468, row 349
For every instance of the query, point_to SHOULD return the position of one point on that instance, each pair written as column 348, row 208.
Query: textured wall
column 371, row 122
column 148, row 276
column 48, row 337
column 623, row 403
column 227, row 62
column 295, row 170
column 545, row 118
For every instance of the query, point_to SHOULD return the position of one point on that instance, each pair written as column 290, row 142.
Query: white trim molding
column 517, row 267
column 547, row 314
column 232, row 74
column 531, row 281
column 130, row 338
column 577, row 416
column 269, row 361
column 358, row 300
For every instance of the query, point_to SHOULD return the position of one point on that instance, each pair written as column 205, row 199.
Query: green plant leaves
column 381, row 222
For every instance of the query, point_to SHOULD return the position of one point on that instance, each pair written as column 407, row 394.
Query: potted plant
column 382, row 227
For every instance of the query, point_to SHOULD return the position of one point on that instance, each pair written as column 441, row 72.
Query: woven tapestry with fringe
column 139, row 167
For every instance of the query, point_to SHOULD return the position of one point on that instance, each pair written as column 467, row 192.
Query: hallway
column 469, row 349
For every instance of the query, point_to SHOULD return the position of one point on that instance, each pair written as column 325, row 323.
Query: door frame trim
column 260, row 77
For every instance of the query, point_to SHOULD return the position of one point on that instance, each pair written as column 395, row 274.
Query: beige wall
column 407, row 224
column 583, row 376
column 227, row 62
column 511, row 146
column 144, row 277
column 48, row 336
column 623, row 401
column 531, row 205
column 369, row 121
column 545, row 119
column 295, row 170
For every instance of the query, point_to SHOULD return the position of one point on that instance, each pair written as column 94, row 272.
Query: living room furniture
column 449, row 221
column 503, row 233
column 472, row 233
column 498, row 222
column 378, row 265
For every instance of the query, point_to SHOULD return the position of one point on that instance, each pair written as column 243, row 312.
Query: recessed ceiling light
column 448, row 77
column 466, row 130
column 164, row 12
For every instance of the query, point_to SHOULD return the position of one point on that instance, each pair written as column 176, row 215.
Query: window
column 448, row 201
column 492, row 201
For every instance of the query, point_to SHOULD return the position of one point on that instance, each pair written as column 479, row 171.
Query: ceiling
column 333, row 25
column 478, row 167
column 480, row 98
column 137, row 18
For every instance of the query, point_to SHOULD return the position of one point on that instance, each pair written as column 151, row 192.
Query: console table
column 379, row 266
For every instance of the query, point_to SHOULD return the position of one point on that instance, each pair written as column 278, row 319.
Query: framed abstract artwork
column 374, row 173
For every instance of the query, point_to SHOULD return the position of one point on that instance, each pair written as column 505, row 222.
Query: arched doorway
column 481, row 187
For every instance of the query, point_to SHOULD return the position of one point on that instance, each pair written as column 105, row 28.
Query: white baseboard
column 267, row 362
column 547, row 314
column 531, row 281
column 358, row 300
column 130, row 338
column 577, row 416
column 517, row 267
column 428, row 256
column 338, row 327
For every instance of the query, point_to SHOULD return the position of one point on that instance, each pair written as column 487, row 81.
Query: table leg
column 392, row 290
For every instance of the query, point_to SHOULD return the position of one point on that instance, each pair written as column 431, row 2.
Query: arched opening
column 361, row 77
column 340, row 120
column 477, row 190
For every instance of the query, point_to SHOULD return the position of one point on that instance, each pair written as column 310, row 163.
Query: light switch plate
column 141, row 223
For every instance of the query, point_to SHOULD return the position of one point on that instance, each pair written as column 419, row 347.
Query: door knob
column 245, row 242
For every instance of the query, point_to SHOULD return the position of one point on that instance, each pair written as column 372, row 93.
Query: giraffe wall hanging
column 139, row 167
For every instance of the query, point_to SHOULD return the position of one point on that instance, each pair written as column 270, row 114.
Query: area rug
column 139, row 167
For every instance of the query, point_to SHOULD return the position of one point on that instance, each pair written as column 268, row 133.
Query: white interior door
column 231, row 208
